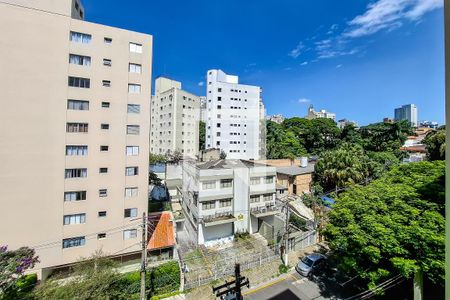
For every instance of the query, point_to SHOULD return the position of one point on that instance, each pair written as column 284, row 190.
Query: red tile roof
column 163, row 236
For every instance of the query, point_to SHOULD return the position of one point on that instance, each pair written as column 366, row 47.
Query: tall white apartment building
column 235, row 117
column 224, row 197
column 407, row 112
column 75, row 100
column 175, row 118
column 203, row 109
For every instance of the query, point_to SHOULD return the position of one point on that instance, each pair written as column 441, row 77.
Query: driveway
column 291, row 287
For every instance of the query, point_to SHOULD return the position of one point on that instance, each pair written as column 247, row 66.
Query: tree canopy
column 435, row 142
column 394, row 225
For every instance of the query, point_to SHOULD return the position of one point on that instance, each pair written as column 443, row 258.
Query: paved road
column 293, row 287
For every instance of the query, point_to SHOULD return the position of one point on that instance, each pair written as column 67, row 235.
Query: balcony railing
column 218, row 218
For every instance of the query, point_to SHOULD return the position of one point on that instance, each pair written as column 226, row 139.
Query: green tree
column 157, row 159
column 13, row 264
column 201, row 135
column 394, row 225
column 389, row 137
column 435, row 142
column 282, row 143
column 223, row 155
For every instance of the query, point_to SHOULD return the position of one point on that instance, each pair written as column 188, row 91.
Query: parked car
column 310, row 263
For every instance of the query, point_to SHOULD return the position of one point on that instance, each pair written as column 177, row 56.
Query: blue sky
column 359, row 59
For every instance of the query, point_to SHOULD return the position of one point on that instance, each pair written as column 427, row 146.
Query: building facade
column 74, row 137
column 175, row 119
column 407, row 112
column 312, row 114
column 343, row 122
column 224, row 197
column 276, row 118
column 235, row 117
column 203, row 110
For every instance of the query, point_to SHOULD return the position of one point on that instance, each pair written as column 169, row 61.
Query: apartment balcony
column 218, row 219
column 264, row 211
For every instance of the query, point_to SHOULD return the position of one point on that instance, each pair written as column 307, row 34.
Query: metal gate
column 266, row 230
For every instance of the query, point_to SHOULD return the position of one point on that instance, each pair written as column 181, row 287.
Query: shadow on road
column 285, row 295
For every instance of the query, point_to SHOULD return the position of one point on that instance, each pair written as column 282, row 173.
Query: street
column 292, row 287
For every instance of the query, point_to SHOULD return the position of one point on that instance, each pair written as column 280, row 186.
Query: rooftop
column 229, row 164
column 164, row 235
column 296, row 170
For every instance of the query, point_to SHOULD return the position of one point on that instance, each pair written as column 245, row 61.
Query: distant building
column 203, row 109
column 209, row 154
column 276, row 118
column 407, row 112
column 235, row 117
column 320, row 114
column 175, row 116
column 429, row 124
column 388, row 120
column 341, row 123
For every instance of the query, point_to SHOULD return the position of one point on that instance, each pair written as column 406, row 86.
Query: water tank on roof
column 303, row 162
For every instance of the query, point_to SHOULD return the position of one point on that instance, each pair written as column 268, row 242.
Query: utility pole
column 232, row 290
column 143, row 256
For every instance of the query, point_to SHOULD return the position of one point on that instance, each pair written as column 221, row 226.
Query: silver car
column 310, row 263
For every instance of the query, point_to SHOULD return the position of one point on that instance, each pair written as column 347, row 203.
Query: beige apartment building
column 74, row 128
column 175, row 118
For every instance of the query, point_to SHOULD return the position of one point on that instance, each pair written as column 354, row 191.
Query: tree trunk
column 418, row 285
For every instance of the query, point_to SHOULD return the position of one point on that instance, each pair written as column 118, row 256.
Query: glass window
column 269, row 179
column 105, row 104
column 102, row 214
column 132, row 150
column 75, row 173
column 135, row 48
column 255, row 180
column 74, row 242
column 104, row 148
column 79, row 37
column 81, row 60
column 107, row 40
column 135, row 68
column 133, row 108
column 134, row 88
column 103, row 192
column 208, row 205
column 133, row 129
column 79, row 82
column 77, row 104
column 75, row 196
column 226, row 183
column 209, row 185
column 131, row 192
column 130, row 212
column 129, row 234
column 225, row 203
column 131, row 171
column 76, row 150
column 254, row 198
column 268, row 197
column 74, row 219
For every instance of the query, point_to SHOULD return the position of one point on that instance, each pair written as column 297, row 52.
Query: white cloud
column 201, row 83
column 388, row 15
column 304, row 63
column 297, row 51
column 304, row 100
column 338, row 66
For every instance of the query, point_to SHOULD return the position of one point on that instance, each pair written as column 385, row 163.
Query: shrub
column 283, row 269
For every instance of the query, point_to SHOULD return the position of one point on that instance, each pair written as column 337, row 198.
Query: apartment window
column 132, row 150
column 101, row 236
column 103, row 170
column 104, row 126
column 76, row 173
column 135, row 48
column 218, row 125
column 107, row 62
column 103, row 192
column 225, row 203
column 268, row 197
column 75, row 196
column 219, row 89
column 131, row 192
column 134, row 88
column 209, row 205
column 74, row 242
column 79, row 82
column 107, row 40
column 105, row 104
column 133, row 108
column 209, row 185
column 135, row 68
column 219, row 106
column 269, row 179
column 74, row 219
column 254, row 198
column 255, row 181
column 106, row 83
column 130, row 212
column 131, row 171
column 133, row 129
column 79, row 37
column 129, row 234
column 79, row 60
column 77, row 104
column 226, row 183
column 218, row 133
column 76, row 150
column 104, row 148
column 102, row 214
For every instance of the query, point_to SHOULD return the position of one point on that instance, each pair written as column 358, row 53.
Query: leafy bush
column 165, row 278
column 283, row 269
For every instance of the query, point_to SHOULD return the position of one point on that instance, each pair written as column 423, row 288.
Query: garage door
column 217, row 232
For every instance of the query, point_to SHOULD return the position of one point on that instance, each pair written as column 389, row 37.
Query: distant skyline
column 360, row 60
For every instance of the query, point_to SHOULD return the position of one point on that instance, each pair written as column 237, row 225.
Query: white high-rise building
column 203, row 109
column 235, row 117
column 175, row 119
column 407, row 112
